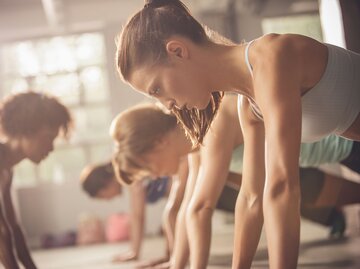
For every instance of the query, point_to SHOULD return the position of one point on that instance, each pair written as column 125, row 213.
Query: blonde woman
column 149, row 142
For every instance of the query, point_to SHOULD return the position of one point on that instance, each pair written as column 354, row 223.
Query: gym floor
column 316, row 251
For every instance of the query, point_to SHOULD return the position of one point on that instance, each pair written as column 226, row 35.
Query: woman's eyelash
column 155, row 91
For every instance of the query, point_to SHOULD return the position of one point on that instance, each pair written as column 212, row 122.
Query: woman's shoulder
column 280, row 44
column 274, row 39
column 299, row 55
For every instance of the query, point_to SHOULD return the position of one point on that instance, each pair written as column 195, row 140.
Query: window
column 307, row 24
column 73, row 68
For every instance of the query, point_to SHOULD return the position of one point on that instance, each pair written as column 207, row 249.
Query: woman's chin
column 201, row 105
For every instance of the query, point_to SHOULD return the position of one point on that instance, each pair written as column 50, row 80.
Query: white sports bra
column 333, row 104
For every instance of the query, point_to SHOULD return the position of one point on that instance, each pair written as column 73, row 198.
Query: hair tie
column 157, row 3
column 148, row 4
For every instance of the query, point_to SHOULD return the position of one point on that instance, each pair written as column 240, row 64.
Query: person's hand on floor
column 125, row 257
column 165, row 265
column 152, row 263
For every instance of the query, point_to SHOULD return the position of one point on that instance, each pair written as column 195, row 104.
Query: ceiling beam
column 54, row 12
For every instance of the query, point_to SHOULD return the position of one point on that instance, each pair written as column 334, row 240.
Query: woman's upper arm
column 178, row 187
column 283, row 135
column 216, row 155
column 253, row 177
column 193, row 169
column 279, row 98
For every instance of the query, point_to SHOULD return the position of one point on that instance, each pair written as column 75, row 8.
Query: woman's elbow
column 282, row 188
column 170, row 213
column 198, row 210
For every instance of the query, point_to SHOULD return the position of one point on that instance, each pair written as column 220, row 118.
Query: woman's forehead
column 142, row 78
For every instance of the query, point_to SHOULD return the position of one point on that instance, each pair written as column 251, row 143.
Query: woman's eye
column 155, row 92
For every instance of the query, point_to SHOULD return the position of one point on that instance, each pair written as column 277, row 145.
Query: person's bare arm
column 173, row 204
column 137, row 218
column 170, row 215
column 180, row 254
column 215, row 159
column 14, row 229
column 248, row 211
column 280, row 102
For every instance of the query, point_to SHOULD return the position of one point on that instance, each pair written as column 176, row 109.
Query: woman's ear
column 177, row 49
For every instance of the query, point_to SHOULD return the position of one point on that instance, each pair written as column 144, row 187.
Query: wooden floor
column 316, row 252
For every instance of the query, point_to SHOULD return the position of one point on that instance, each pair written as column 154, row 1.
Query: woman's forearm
column 181, row 251
column 172, row 207
column 180, row 255
column 282, row 224
column 137, row 233
column 199, row 226
column 137, row 214
column 248, row 225
column 169, row 222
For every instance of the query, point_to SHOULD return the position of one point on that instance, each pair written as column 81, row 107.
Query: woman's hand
column 165, row 265
column 125, row 257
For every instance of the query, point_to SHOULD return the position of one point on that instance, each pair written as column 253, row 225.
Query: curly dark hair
column 24, row 114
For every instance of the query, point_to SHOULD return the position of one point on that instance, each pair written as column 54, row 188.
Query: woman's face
column 178, row 82
column 37, row 147
column 163, row 159
column 111, row 190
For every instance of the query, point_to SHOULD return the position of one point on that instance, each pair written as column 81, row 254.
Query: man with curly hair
column 29, row 124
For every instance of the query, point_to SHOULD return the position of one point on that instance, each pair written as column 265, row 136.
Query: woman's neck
column 228, row 65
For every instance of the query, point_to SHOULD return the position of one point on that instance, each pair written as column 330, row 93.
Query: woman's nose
column 170, row 104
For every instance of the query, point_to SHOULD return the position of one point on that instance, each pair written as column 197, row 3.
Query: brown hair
column 95, row 177
column 142, row 41
column 197, row 122
column 24, row 114
column 136, row 132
